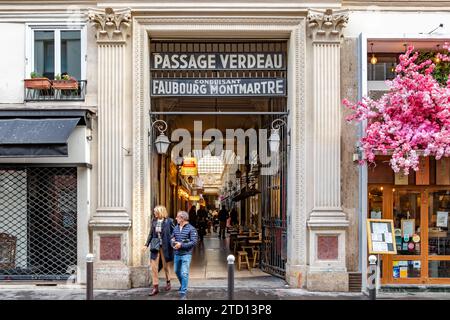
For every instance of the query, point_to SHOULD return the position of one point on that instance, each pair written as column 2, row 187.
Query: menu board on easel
column 380, row 236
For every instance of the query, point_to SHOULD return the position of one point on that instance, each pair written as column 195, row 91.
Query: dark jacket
column 223, row 215
column 166, row 234
column 193, row 217
column 187, row 237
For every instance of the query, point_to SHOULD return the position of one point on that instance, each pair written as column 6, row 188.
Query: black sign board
column 218, row 87
column 218, row 61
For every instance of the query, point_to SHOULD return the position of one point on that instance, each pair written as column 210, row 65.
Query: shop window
column 384, row 69
column 375, row 202
column 439, row 269
column 438, row 235
column 405, row 269
column 407, row 221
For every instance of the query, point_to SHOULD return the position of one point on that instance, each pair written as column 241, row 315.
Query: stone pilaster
column 111, row 222
column 327, row 222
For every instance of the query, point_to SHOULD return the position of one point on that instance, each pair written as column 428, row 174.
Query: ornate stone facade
column 111, row 25
column 111, row 218
column 327, row 219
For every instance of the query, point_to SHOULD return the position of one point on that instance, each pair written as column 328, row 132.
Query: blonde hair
column 161, row 212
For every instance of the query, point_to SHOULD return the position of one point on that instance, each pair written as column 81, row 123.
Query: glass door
column 438, row 236
column 407, row 212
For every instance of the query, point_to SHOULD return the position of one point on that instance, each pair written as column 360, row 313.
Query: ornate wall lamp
column 274, row 139
column 162, row 142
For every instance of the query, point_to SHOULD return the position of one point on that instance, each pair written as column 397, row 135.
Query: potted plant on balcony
column 65, row 82
column 36, row 81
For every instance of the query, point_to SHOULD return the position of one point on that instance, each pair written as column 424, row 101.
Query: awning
column 246, row 193
column 35, row 137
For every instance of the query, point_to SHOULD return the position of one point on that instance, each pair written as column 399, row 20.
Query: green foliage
column 35, row 75
column 442, row 69
column 58, row 77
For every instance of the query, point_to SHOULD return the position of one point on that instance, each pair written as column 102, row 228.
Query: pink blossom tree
column 411, row 119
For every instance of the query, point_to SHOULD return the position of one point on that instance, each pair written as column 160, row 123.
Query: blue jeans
column 182, row 264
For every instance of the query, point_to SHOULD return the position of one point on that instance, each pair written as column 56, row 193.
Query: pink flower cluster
column 411, row 119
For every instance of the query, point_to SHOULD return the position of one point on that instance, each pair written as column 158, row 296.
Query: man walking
column 183, row 241
column 223, row 216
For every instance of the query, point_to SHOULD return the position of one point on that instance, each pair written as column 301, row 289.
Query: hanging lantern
column 374, row 59
column 437, row 58
column 189, row 167
column 162, row 143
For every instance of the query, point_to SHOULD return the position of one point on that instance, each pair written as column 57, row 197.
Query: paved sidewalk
column 258, row 288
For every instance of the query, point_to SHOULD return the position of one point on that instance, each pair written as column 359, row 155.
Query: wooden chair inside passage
column 256, row 254
column 243, row 259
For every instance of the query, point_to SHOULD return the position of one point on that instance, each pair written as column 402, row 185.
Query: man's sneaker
column 183, row 297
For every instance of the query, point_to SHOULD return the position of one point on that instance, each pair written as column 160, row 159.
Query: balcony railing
column 57, row 94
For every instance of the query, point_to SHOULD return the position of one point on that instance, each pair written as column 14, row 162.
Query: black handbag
column 155, row 244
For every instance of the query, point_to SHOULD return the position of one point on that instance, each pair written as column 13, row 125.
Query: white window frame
column 56, row 28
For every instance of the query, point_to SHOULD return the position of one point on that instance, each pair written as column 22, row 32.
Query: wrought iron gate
column 273, row 213
column 38, row 223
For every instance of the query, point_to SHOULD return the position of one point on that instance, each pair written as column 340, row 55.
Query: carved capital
column 112, row 25
column 326, row 26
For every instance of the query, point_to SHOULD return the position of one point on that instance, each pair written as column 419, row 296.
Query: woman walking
column 160, row 247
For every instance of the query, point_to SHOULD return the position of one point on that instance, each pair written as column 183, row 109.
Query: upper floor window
column 57, row 52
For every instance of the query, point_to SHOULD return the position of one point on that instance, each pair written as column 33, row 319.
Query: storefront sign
column 194, row 198
column 401, row 178
column 443, row 171
column 218, row 87
column 423, row 174
column 218, row 61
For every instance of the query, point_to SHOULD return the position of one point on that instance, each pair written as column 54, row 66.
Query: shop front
column 419, row 206
column 44, row 177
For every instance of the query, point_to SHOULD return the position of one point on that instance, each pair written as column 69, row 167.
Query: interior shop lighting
column 374, row 59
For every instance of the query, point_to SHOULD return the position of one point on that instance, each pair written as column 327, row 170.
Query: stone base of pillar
column 111, row 246
column 296, row 275
column 327, row 231
column 327, row 281
column 140, row 277
column 110, row 276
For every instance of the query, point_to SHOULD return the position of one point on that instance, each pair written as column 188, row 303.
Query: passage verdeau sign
column 218, row 61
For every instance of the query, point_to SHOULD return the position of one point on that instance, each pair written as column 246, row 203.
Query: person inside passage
column 184, row 239
column 161, row 231
column 223, row 216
